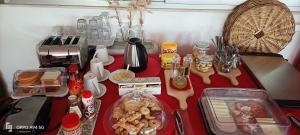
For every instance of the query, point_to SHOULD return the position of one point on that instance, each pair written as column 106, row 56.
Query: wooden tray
column 232, row 75
column 181, row 96
column 204, row 76
column 87, row 125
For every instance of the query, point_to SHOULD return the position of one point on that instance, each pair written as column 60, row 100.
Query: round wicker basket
column 260, row 26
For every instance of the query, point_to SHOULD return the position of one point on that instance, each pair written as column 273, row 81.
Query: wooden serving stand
column 205, row 76
column 232, row 75
column 180, row 95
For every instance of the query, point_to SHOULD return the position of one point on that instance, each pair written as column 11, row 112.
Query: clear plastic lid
column 43, row 81
column 243, row 111
column 137, row 113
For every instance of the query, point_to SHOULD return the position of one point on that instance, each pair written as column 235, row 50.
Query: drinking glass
column 105, row 36
column 105, row 28
column 135, row 32
column 104, row 20
column 81, row 26
column 93, row 23
column 93, row 32
column 93, row 36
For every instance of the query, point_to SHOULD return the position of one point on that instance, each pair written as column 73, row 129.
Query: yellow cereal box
column 168, row 47
column 166, row 60
column 168, row 50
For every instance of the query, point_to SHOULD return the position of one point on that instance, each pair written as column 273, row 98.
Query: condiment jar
column 75, row 105
column 88, row 103
column 187, row 62
column 75, row 81
column 180, row 81
column 71, row 124
column 175, row 66
column 200, row 48
column 205, row 63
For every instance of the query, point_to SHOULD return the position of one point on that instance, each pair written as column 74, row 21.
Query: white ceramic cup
column 97, row 68
column 101, row 53
column 91, row 83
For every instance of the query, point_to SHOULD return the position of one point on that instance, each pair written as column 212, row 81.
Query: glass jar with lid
column 204, row 64
column 200, row 48
column 75, row 106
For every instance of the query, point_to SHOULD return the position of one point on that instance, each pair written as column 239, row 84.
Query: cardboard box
column 148, row 85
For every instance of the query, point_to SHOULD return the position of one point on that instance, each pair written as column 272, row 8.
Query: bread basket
column 260, row 26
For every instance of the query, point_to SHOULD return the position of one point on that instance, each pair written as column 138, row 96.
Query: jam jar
column 71, row 124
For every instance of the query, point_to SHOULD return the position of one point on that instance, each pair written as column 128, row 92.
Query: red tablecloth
column 191, row 116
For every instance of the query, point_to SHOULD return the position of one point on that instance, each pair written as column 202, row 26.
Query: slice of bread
column 51, row 78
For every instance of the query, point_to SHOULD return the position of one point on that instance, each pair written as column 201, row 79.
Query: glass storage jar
column 204, row 64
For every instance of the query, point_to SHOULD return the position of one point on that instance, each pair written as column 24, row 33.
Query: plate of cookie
column 120, row 74
column 137, row 113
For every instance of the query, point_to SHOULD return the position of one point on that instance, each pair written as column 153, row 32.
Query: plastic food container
column 50, row 82
column 136, row 113
column 234, row 111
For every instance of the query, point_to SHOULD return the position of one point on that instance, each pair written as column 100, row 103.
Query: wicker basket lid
column 260, row 26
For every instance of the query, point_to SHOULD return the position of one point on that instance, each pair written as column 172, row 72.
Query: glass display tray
column 221, row 110
column 32, row 85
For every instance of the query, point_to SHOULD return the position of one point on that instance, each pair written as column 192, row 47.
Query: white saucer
column 110, row 60
column 104, row 77
column 111, row 76
column 102, row 88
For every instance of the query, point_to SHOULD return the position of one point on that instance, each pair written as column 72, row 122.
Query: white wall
column 23, row 27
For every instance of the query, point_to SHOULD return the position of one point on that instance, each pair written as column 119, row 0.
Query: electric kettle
column 135, row 55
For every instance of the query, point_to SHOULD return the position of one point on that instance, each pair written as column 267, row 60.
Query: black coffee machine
column 135, row 55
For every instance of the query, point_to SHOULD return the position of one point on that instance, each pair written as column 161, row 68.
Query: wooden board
column 232, row 75
column 181, row 96
column 205, row 76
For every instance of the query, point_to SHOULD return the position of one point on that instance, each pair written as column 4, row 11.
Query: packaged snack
column 166, row 60
column 168, row 47
column 168, row 50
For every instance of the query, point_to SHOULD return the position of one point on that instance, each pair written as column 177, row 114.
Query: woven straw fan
column 260, row 26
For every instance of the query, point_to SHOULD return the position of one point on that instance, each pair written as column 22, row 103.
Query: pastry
column 132, row 116
column 51, row 78
column 28, row 78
